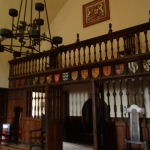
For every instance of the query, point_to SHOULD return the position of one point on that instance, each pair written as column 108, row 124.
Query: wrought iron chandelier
column 27, row 35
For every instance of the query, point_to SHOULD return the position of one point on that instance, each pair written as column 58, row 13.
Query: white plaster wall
column 4, row 69
column 123, row 14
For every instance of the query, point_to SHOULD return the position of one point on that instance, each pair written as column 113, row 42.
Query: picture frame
column 95, row 12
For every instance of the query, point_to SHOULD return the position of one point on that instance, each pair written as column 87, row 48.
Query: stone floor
column 66, row 146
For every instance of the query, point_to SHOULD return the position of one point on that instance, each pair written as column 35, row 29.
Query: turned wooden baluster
column 69, row 51
column 94, row 45
column 114, row 94
column 118, row 47
column 134, row 91
column 100, row 51
column 45, row 63
column 146, row 41
column 39, row 64
column 42, row 101
column 12, row 70
column 15, row 69
column 65, row 59
column 79, row 62
column 84, row 62
column 106, row 51
column 127, row 91
column 108, row 98
column 30, row 66
column 74, row 57
column 26, row 67
column 18, row 68
column 21, row 68
column 142, row 94
column 121, row 94
column 33, row 102
column 60, row 59
column 112, row 49
column 38, row 103
column 124, row 45
column 89, row 54
column 42, row 69
column 138, row 43
column 35, row 62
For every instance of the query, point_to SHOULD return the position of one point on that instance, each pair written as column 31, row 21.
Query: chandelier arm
column 31, row 20
column 39, row 32
column 25, row 8
column 48, row 22
column 19, row 14
column 12, row 33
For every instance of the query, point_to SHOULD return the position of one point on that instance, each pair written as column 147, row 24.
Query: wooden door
column 54, row 117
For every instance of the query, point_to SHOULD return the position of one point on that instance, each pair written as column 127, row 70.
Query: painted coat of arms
column 49, row 79
column 74, row 75
column 65, row 76
column 84, row 74
column 107, row 70
column 119, row 69
column 146, row 64
column 56, row 77
column 35, row 80
column 22, row 82
column 133, row 67
column 42, row 79
column 17, row 83
column 95, row 72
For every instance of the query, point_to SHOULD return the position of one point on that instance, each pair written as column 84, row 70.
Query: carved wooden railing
column 114, row 45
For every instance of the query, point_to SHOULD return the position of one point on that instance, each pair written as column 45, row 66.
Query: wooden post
column 94, row 115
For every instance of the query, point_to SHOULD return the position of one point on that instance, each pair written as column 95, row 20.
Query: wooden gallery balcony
column 96, row 58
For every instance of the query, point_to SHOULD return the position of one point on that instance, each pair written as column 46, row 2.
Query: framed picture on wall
column 95, row 12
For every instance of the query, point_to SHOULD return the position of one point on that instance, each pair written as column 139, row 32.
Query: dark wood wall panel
column 3, row 105
column 54, row 142
column 120, row 135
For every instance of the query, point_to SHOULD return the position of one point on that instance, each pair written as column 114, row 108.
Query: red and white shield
column 56, row 77
column 84, row 74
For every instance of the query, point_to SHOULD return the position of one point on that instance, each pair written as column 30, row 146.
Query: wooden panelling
column 54, row 132
column 3, row 105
